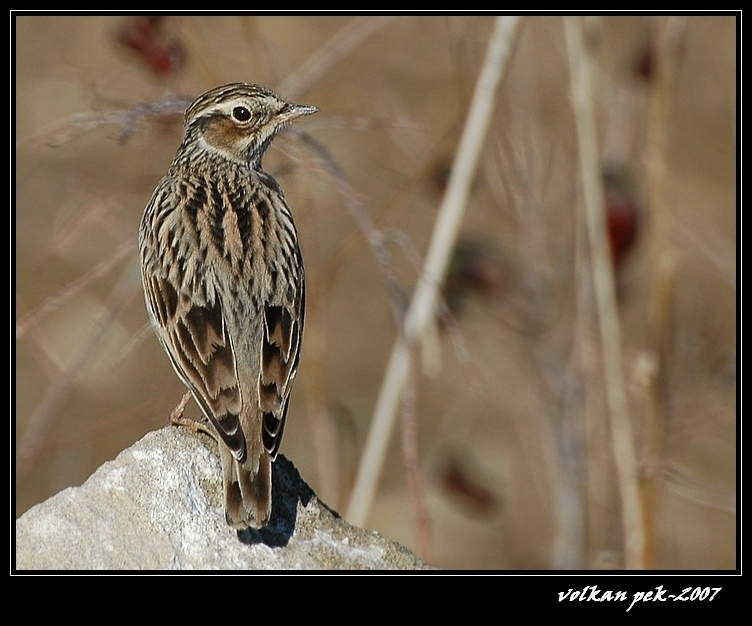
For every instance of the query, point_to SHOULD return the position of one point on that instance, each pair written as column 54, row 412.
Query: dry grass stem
column 43, row 418
column 325, row 439
column 412, row 465
column 339, row 46
column 663, row 265
column 128, row 121
column 195, row 43
column 32, row 318
column 398, row 203
column 358, row 211
column 620, row 426
column 324, row 429
column 446, row 228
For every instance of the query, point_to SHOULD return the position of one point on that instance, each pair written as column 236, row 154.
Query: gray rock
column 158, row 505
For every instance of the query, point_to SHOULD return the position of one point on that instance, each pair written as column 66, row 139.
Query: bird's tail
column 248, row 493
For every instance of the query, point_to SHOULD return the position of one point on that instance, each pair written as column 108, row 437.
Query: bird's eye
column 241, row 114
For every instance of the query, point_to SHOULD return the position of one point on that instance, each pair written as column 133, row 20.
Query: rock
column 158, row 505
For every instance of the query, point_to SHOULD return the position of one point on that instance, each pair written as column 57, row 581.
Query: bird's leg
column 178, row 419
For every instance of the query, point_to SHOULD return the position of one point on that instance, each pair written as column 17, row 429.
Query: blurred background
column 505, row 454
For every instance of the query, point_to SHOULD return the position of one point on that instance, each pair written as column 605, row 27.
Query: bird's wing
column 280, row 353
column 192, row 329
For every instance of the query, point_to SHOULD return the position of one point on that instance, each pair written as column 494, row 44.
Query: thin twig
column 145, row 332
column 358, row 211
column 603, row 285
column 262, row 52
column 32, row 318
column 663, row 263
column 549, row 429
column 410, row 455
column 325, row 438
column 719, row 251
column 443, row 239
column 200, row 52
column 394, row 206
column 377, row 240
column 339, row 46
column 324, row 434
column 128, row 120
column 41, row 421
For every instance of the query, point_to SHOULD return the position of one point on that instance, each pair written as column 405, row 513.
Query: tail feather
column 248, row 494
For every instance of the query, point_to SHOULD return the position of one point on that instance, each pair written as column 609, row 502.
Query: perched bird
column 224, row 283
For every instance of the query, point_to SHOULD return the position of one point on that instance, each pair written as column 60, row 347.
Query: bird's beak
column 292, row 112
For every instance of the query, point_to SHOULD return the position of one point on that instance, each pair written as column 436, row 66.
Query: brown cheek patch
column 221, row 133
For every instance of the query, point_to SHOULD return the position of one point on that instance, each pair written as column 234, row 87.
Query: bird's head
column 240, row 120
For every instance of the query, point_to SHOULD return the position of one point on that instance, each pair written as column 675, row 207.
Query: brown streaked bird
column 224, row 283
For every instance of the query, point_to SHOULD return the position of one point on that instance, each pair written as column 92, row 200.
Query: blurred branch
column 325, row 429
column 443, row 238
column 128, row 120
column 357, row 209
column 260, row 49
column 603, row 283
column 717, row 249
column 662, row 266
column 376, row 239
column 401, row 199
column 145, row 332
column 32, row 318
column 339, row 46
column 199, row 51
column 697, row 489
column 410, row 455
column 324, row 434
column 550, row 429
column 41, row 421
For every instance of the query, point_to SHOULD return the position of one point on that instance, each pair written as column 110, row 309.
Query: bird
column 224, row 284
